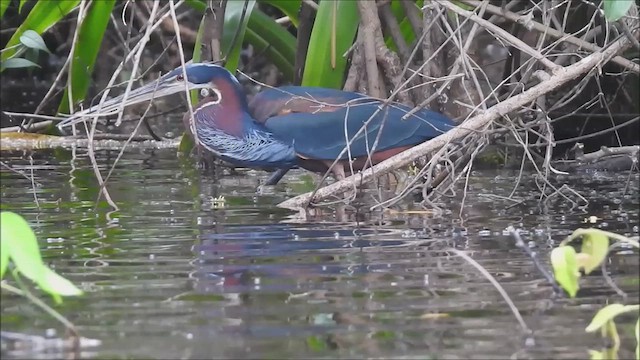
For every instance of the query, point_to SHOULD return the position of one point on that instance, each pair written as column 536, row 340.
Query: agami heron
column 290, row 126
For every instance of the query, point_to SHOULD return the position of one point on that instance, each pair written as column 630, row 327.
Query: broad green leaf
column 88, row 44
column 325, row 64
column 234, row 30
column 615, row 9
column 17, row 63
column 43, row 16
column 33, row 40
column 56, row 284
column 261, row 31
column 21, row 244
column 4, row 4
column 608, row 313
column 276, row 36
column 565, row 269
column 290, row 8
column 405, row 26
column 596, row 245
column 273, row 54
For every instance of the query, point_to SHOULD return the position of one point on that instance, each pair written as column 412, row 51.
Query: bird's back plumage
column 319, row 122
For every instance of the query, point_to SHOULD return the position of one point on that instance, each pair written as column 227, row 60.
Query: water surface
column 174, row 275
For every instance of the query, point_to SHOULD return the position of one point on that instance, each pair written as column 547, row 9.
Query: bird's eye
column 179, row 77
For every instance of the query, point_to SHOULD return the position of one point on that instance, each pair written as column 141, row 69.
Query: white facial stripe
column 218, row 94
column 205, row 105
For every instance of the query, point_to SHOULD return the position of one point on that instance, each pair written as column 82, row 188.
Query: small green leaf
column 4, row 258
column 638, row 339
column 42, row 16
column 615, row 9
column 33, row 40
column 22, row 246
column 565, row 269
column 608, row 313
column 596, row 245
column 315, row 343
column 18, row 63
column 56, row 284
column 22, row 2
column 596, row 355
column 186, row 144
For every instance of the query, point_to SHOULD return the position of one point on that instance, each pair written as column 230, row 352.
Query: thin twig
column 534, row 257
column 48, row 309
column 496, row 285
column 530, row 23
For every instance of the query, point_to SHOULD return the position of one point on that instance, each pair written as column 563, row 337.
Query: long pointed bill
column 162, row 87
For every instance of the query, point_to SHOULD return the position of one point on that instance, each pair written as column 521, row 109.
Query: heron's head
column 213, row 82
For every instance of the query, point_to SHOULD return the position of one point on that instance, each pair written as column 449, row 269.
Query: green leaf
column 4, row 4
column 197, row 55
column 22, row 2
column 20, row 243
column 321, row 55
column 596, row 245
column 186, row 144
column 56, row 284
column 316, row 344
column 638, row 339
column 608, row 313
column 276, row 36
column 565, row 269
column 234, row 30
column 596, row 355
column 273, row 54
column 615, row 9
column 17, row 63
column 198, row 5
column 43, row 16
column 89, row 40
column 4, row 256
column 33, row 40
column 290, row 8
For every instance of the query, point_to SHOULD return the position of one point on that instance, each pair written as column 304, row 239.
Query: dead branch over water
column 538, row 82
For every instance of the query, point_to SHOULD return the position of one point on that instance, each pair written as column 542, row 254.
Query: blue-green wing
column 322, row 135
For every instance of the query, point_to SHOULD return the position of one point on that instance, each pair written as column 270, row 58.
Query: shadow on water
column 172, row 276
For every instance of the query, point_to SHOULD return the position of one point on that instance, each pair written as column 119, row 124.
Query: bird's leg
column 338, row 172
column 273, row 179
column 276, row 176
